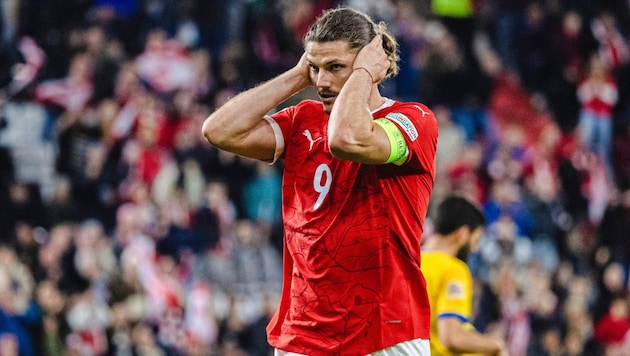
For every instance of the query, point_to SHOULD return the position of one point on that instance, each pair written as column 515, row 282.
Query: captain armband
column 398, row 146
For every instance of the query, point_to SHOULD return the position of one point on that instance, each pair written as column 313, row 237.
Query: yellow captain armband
column 398, row 146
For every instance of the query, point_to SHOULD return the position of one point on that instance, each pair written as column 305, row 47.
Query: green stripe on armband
column 398, row 151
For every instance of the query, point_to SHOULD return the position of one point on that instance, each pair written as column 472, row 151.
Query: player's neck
column 376, row 100
column 441, row 244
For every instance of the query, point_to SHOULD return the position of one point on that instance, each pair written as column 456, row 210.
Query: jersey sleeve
column 419, row 127
column 455, row 296
column 281, row 123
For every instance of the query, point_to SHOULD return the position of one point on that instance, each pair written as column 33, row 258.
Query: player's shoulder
column 307, row 105
column 412, row 117
column 431, row 259
column 437, row 256
column 411, row 108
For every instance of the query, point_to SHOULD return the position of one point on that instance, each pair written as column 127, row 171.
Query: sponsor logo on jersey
column 404, row 122
column 310, row 138
column 455, row 290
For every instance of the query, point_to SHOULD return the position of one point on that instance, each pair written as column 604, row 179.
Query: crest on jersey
column 404, row 123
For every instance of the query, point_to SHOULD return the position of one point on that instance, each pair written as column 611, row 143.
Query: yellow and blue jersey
column 450, row 290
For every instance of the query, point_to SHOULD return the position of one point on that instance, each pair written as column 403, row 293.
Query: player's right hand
column 303, row 68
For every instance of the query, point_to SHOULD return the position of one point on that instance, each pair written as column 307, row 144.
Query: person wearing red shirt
column 611, row 331
column 598, row 95
column 358, row 173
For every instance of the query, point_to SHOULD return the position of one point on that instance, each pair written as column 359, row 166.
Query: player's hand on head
column 303, row 68
column 373, row 58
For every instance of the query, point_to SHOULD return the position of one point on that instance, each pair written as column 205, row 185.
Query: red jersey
column 352, row 282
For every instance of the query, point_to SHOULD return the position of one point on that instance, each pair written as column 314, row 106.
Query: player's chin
column 328, row 104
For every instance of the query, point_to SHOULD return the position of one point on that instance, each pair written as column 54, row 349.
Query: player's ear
column 462, row 234
column 475, row 237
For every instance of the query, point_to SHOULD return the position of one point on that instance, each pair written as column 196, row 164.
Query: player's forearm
column 477, row 343
column 473, row 342
column 462, row 340
column 350, row 128
column 233, row 121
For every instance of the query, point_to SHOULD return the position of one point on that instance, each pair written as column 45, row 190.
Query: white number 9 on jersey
column 321, row 183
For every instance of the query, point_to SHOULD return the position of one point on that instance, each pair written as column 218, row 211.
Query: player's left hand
column 373, row 58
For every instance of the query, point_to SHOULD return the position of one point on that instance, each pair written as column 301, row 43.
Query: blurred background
column 122, row 232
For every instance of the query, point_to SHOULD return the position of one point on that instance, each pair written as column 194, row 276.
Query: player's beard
column 464, row 252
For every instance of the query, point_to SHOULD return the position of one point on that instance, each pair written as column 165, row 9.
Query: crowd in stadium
column 122, row 232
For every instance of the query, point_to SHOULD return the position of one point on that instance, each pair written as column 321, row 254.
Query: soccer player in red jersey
column 358, row 173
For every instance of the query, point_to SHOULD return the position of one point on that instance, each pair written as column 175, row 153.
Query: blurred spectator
column 514, row 322
column 507, row 17
column 451, row 140
column 200, row 321
column 256, row 262
column 262, row 194
column 549, row 343
column 611, row 331
column 31, row 154
column 614, row 49
column 542, row 198
column 505, row 202
column 88, row 317
column 411, row 33
column 20, row 316
column 459, row 17
column 25, row 208
column 55, row 329
column 215, row 218
column 163, row 14
column 94, row 257
column 504, row 243
column 465, row 176
column 51, row 251
column 534, row 42
column 613, row 230
column 173, row 226
column 165, row 65
column 73, row 92
column 10, row 20
column 144, row 341
column 570, row 44
column 445, row 69
column 22, row 60
column 543, row 307
column 579, row 323
column 620, row 154
column 598, row 96
column 255, row 333
column 62, row 206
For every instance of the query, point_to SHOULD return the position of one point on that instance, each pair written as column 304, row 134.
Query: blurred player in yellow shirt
column 458, row 226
